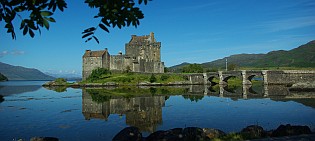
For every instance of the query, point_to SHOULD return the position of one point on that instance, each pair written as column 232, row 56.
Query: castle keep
column 142, row 54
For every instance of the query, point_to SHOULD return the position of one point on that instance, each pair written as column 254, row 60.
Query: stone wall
column 89, row 64
column 117, row 62
column 290, row 77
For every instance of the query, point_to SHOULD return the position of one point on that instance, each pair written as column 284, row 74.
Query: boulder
column 288, row 130
column 194, row 134
column 253, row 132
column 128, row 134
column 213, row 133
column 44, row 139
column 169, row 135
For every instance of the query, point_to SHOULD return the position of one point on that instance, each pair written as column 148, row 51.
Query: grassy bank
column 132, row 78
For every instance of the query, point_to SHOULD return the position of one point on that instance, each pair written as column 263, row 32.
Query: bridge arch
column 211, row 78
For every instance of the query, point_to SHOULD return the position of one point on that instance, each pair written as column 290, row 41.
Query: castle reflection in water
column 145, row 111
column 142, row 112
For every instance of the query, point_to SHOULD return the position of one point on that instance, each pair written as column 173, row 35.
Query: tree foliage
column 232, row 67
column 152, row 78
column 98, row 73
column 3, row 78
column 112, row 13
column 192, row 68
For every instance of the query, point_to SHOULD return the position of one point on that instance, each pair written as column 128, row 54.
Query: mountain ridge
column 301, row 56
column 22, row 73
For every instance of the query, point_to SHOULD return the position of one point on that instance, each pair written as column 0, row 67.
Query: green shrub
column 152, row 78
column 98, row 74
column 60, row 80
column 164, row 77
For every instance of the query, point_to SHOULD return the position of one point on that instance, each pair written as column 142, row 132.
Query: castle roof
column 142, row 39
column 89, row 53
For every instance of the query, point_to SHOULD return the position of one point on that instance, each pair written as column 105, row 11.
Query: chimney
column 106, row 49
column 152, row 36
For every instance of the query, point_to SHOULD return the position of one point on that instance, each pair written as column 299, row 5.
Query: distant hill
column 67, row 76
column 302, row 56
column 22, row 73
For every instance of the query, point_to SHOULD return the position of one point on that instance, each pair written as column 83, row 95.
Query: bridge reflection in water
column 144, row 109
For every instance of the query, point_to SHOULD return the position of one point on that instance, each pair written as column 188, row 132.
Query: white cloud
column 288, row 24
column 3, row 53
column 14, row 52
column 17, row 52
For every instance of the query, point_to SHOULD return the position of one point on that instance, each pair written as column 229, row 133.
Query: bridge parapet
column 284, row 77
column 289, row 77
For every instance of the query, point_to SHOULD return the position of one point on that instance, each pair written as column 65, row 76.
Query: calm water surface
column 29, row 110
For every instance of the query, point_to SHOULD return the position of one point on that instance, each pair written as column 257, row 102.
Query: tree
column 111, row 13
column 3, row 78
column 152, row 78
column 232, row 67
column 192, row 68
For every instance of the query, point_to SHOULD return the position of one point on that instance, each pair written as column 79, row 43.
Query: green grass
column 136, row 78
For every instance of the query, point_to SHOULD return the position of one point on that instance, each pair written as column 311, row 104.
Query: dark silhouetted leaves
column 96, row 39
column 25, row 30
column 112, row 13
column 40, row 12
column 87, row 34
column 31, row 33
column 46, row 13
column 120, row 13
column 103, row 27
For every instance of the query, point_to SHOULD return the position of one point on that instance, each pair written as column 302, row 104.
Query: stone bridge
column 284, row 77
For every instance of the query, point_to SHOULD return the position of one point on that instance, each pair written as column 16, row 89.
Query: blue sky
column 190, row 31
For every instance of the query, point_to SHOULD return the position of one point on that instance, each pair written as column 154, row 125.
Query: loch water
column 29, row 110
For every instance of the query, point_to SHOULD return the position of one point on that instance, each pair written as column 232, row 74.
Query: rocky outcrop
column 207, row 134
column 288, row 130
column 254, row 132
column 128, row 134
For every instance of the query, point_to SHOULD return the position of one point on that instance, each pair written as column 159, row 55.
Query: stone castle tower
column 142, row 54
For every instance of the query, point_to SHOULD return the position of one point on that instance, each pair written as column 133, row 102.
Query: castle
column 142, row 54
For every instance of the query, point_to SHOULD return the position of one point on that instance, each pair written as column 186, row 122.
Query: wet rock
column 213, row 133
column 288, row 130
column 194, row 133
column 1, row 98
column 253, row 132
column 128, row 134
column 169, row 135
column 44, row 139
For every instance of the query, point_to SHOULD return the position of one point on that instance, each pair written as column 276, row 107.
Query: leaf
column 19, row 8
column 46, row 24
column 96, row 39
column 91, row 29
column 31, row 33
column 103, row 27
column 25, row 30
column 13, row 35
column 104, row 20
column 88, row 39
column 140, row 1
column 51, row 19
column 46, row 13
column 22, row 24
column 87, row 34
